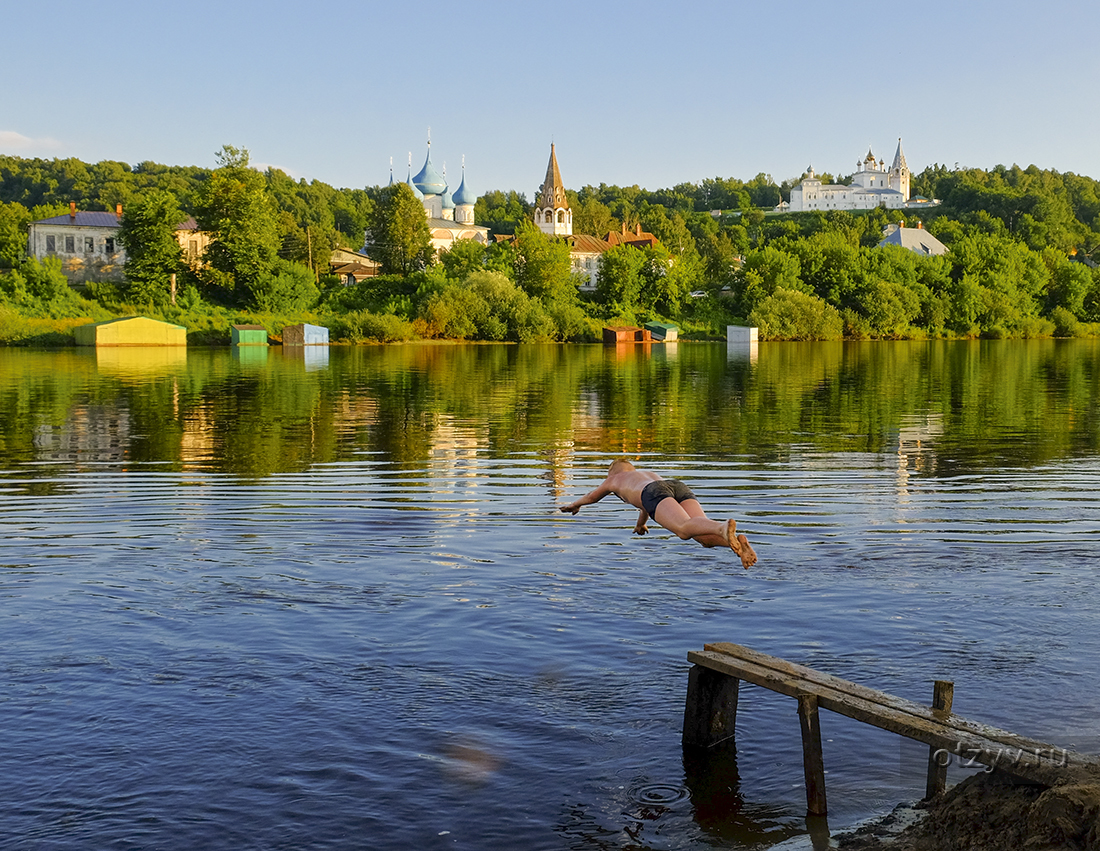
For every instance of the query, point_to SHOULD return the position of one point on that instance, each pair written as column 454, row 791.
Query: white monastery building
column 873, row 185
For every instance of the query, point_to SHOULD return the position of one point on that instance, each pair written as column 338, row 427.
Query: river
column 272, row 599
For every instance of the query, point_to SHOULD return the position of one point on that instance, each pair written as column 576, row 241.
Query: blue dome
column 429, row 181
column 419, row 195
column 448, row 202
column 465, row 196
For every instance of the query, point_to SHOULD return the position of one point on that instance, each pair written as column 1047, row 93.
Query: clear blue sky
column 632, row 93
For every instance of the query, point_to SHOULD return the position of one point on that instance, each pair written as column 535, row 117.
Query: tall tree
column 399, row 235
column 543, row 266
column 235, row 209
column 148, row 233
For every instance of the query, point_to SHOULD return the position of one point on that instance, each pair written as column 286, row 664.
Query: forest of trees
column 1022, row 250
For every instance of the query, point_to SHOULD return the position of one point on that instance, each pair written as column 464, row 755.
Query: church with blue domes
column 450, row 215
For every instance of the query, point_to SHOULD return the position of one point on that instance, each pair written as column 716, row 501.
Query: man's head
column 619, row 465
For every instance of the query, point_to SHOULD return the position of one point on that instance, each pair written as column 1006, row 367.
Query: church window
column 561, row 216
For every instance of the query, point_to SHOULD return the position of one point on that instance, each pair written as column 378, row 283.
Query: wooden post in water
column 812, row 760
column 943, row 692
column 710, row 713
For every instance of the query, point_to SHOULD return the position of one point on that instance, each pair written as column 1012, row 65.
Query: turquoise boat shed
column 248, row 335
column 305, row 335
column 662, row 331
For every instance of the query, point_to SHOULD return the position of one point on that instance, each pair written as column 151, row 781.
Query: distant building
column 555, row 218
column 352, row 266
column 450, row 217
column 87, row 243
column 917, row 240
column 552, row 212
column 873, row 185
column 193, row 241
column 130, row 331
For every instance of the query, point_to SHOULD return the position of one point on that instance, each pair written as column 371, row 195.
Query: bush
column 287, row 287
column 363, row 325
column 1065, row 323
column 792, row 315
column 486, row 306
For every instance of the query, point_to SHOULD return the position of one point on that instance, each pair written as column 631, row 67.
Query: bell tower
column 552, row 212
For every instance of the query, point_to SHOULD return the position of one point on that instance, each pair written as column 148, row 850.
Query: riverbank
column 990, row 812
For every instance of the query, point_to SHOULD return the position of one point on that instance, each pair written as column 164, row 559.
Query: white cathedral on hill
column 873, row 185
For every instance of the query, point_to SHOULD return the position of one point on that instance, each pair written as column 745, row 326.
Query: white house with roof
column 873, row 185
column 83, row 241
column 87, row 243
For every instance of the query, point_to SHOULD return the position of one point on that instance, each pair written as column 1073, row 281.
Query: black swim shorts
column 654, row 492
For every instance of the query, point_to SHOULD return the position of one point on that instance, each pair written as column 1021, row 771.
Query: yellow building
column 131, row 331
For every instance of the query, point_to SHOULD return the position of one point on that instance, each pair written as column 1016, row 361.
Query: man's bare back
column 671, row 504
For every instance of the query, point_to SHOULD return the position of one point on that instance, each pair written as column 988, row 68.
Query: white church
column 873, row 185
column 450, row 215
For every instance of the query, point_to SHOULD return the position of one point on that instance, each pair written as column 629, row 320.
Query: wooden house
column 613, row 334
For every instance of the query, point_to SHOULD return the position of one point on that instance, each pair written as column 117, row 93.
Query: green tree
column 462, row 258
column 399, row 236
column 148, row 233
column 502, row 212
column 14, row 219
column 619, row 282
column 235, row 209
column 543, row 265
column 793, row 315
column 285, row 287
column 592, row 217
column 764, row 271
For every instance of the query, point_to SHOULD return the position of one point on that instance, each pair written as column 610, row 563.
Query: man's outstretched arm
column 640, row 527
column 588, row 499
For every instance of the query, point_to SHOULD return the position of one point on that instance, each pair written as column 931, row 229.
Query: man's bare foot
column 729, row 535
column 745, row 550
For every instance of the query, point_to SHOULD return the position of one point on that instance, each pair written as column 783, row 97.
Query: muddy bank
column 994, row 812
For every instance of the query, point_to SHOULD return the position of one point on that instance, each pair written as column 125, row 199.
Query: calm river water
column 265, row 600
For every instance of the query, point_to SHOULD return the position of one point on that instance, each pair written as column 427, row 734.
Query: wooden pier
column 711, row 712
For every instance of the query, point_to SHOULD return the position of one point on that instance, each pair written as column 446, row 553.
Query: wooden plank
column 971, row 741
column 813, row 762
column 787, row 670
column 710, row 712
column 943, row 693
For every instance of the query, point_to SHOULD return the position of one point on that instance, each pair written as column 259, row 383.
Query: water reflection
column 941, row 407
column 719, row 808
column 140, row 361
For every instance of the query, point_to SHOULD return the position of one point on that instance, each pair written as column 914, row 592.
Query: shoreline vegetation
column 1022, row 258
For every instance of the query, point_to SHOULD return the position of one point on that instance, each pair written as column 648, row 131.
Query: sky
column 645, row 93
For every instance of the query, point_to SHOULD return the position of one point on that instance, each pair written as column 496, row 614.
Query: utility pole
column 309, row 248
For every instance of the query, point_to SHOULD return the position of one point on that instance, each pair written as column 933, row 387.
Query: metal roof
column 917, row 240
column 84, row 220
